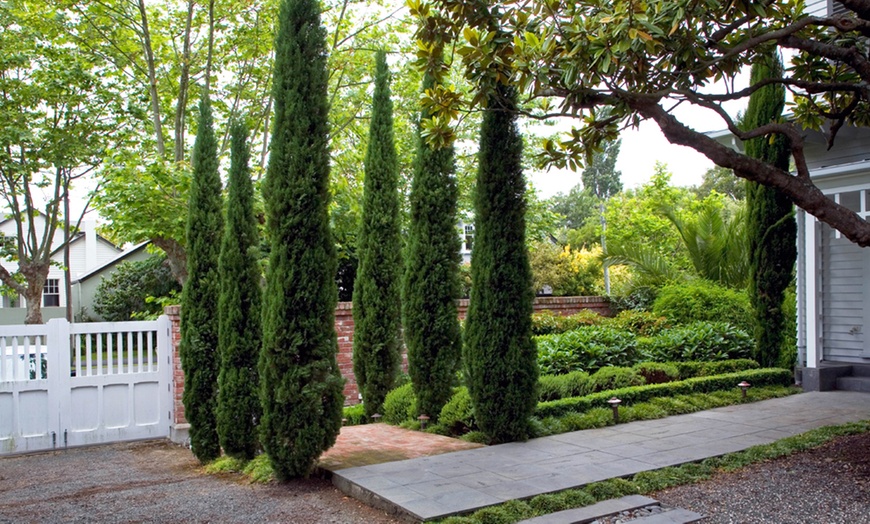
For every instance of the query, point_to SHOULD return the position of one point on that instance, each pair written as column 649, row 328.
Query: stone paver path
column 378, row 443
column 438, row 486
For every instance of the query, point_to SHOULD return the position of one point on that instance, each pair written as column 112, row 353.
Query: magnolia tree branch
column 799, row 189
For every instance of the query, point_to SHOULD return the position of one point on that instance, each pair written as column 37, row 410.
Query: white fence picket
column 65, row 384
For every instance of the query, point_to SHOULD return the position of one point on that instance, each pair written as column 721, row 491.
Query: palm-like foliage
column 714, row 240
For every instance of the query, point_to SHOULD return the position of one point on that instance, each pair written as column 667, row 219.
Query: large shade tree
column 300, row 384
column 640, row 59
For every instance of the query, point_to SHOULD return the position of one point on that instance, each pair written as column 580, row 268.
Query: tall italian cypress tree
column 376, row 292
column 771, row 227
column 239, row 309
column 431, row 281
column 300, row 384
column 499, row 354
column 199, row 320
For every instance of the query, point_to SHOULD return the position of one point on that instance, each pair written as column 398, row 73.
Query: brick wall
column 564, row 306
column 174, row 314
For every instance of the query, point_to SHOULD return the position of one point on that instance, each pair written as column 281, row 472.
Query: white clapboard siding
column 843, row 294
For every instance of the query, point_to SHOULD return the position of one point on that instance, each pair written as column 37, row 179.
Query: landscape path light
column 744, row 386
column 376, row 418
column 424, row 419
column 614, row 405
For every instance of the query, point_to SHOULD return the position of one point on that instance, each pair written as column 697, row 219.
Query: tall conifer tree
column 300, row 384
column 376, row 293
column 199, row 320
column 431, row 281
column 239, row 309
column 499, row 354
column 771, row 227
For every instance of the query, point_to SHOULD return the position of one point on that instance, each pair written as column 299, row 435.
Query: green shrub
column 125, row 293
column 641, row 298
column 457, row 416
column 641, row 323
column 554, row 387
column 587, row 348
column 693, row 368
column 477, row 437
column 400, row 405
column 354, row 415
column 758, row 377
column 657, row 372
column 615, row 378
column 699, row 340
column 548, row 323
column 788, row 349
column 611, row 489
column 703, row 300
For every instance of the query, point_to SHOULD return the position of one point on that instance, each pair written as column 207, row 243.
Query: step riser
column 861, row 370
column 861, row 384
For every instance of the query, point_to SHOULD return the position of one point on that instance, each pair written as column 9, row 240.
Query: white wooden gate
column 65, row 384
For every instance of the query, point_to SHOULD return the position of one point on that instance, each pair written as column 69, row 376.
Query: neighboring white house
column 833, row 274
column 88, row 251
column 466, row 235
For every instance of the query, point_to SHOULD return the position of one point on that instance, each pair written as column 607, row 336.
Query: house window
column 51, row 293
column 468, row 239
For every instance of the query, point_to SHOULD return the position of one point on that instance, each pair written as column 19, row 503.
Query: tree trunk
column 175, row 255
column 35, row 275
column 183, row 87
column 152, row 80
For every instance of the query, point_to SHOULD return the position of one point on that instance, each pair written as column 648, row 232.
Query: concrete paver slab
column 438, row 486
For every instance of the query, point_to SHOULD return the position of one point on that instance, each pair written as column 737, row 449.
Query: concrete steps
column 614, row 507
column 857, row 380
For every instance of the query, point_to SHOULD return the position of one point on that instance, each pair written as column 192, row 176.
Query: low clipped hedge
column 549, row 323
column 758, row 377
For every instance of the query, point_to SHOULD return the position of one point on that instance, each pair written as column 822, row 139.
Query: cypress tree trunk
column 199, row 320
column 499, row 354
column 376, row 291
column 431, row 281
column 771, row 227
column 239, row 309
column 300, row 384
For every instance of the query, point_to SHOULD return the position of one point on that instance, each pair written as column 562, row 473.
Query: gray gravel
column 159, row 482
column 826, row 485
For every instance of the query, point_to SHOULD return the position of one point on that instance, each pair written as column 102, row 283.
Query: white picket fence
column 64, row 384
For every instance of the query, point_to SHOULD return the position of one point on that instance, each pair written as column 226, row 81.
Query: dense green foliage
column 699, row 340
column 615, row 377
column 586, row 348
column 376, row 300
column 771, row 227
column 300, row 384
column 400, row 404
column 702, row 300
column 499, row 355
column 239, row 310
column 431, row 280
column 546, row 322
column 125, row 293
column 756, row 377
column 199, row 319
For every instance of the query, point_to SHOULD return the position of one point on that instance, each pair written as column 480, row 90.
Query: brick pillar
column 180, row 427
column 344, row 332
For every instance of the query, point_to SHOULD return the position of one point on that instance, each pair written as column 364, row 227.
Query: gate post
column 58, row 354
column 179, row 431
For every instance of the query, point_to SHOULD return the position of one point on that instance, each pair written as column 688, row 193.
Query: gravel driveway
column 159, row 482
